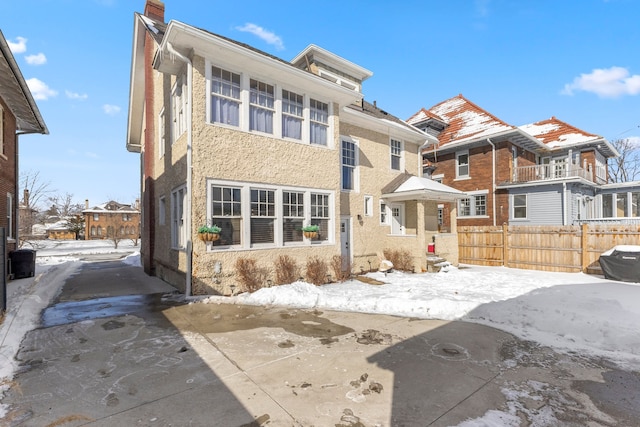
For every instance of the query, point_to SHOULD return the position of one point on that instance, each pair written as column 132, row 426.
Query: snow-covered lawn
column 571, row 312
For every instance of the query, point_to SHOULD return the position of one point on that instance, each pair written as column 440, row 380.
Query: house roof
column 411, row 187
column 388, row 120
column 557, row 134
column 16, row 94
column 111, row 206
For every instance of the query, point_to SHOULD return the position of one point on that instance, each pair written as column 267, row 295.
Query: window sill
column 462, row 178
column 473, row 217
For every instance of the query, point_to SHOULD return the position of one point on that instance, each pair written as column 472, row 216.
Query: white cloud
column 38, row 59
column 265, row 35
column 19, row 46
column 112, row 110
column 74, row 95
column 40, row 90
column 606, row 83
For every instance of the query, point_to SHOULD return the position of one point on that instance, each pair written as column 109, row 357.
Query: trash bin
column 23, row 263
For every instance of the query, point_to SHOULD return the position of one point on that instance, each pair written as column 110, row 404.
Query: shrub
column 336, row 265
column 317, row 271
column 286, row 270
column 401, row 259
column 250, row 276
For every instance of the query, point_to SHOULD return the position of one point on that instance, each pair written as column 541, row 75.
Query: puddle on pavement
column 68, row 312
column 209, row 318
column 618, row 395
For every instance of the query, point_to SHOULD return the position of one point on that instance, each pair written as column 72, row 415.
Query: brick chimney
column 154, row 9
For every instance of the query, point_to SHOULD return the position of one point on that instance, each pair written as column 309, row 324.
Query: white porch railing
column 548, row 172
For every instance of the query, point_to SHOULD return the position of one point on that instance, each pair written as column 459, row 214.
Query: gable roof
column 555, row 133
column 16, row 94
column 411, row 187
column 466, row 120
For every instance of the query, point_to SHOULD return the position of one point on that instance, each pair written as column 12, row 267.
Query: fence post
column 583, row 246
column 505, row 250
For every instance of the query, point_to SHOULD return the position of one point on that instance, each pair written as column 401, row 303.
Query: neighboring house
column 545, row 173
column 19, row 115
column 261, row 147
column 111, row 220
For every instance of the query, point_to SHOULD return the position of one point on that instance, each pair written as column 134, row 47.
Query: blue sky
column 521, row 60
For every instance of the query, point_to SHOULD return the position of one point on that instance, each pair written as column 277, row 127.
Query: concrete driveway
column 115, row 349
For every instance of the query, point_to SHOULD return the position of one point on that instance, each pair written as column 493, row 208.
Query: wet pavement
column 142, row 357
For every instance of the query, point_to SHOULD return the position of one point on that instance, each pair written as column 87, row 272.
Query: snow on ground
column 572, row 312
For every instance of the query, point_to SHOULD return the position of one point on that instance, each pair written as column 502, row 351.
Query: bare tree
column 75, row 224
column 35, row 191
column 626, row 167
column 64, row 205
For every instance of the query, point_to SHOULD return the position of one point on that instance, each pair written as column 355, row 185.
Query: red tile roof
column 556, row 133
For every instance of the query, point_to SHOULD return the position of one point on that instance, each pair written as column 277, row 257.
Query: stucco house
column 260, row 146
column 544, row 173
column 19, row 115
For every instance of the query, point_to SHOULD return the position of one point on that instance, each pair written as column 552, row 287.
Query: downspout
column 493, row 178
column 565, row 203
column 189, row 272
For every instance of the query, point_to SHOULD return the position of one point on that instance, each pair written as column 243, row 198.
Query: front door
column 397, row 218
column 345, row 241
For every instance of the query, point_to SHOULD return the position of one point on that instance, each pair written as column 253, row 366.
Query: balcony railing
column 548, row 172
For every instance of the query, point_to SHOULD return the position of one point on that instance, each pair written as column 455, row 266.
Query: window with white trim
column 261, row 106
column 178, row 108
column 292, row 108
column 519, row 206
column 226, row 213
column 368, row 206
column 263, row 213
column 178, row 229
column 396, row 154
column 10, row 216
column 321, row 214
column 462, row 164
column 349, row 163
column 293, row 216
column 225, row 97
column 319, row 116
column 384, row 217
column 275, row 215
column 474, row 205
column 161, row 134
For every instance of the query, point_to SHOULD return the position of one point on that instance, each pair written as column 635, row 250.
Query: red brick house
column 19, row 115
column 545, row 173
column 111, row 220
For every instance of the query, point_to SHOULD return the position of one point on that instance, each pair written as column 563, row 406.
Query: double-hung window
column 320, row 214
column 519, row 206
column 462, row 164
column 225, row 97
column 396, row 154
column 178, row 230
column 161, row 134
column 226, row 213
column 348, row 165
column 474, row 205
column 178, row 101
column 292, row 216
column 319, row 116
column 263, row 213
column 261, row 106
column 384, row 219
column 292, row 107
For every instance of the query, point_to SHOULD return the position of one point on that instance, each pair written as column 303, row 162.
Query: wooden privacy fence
column 572, row 248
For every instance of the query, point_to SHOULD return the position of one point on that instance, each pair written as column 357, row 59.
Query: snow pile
column 568, row 311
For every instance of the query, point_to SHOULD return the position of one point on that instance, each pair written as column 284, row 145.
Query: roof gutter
column 189, row 272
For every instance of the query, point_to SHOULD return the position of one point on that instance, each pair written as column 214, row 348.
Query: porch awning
column 417, row 188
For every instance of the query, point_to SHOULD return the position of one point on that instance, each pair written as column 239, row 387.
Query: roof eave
column 136, row 89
